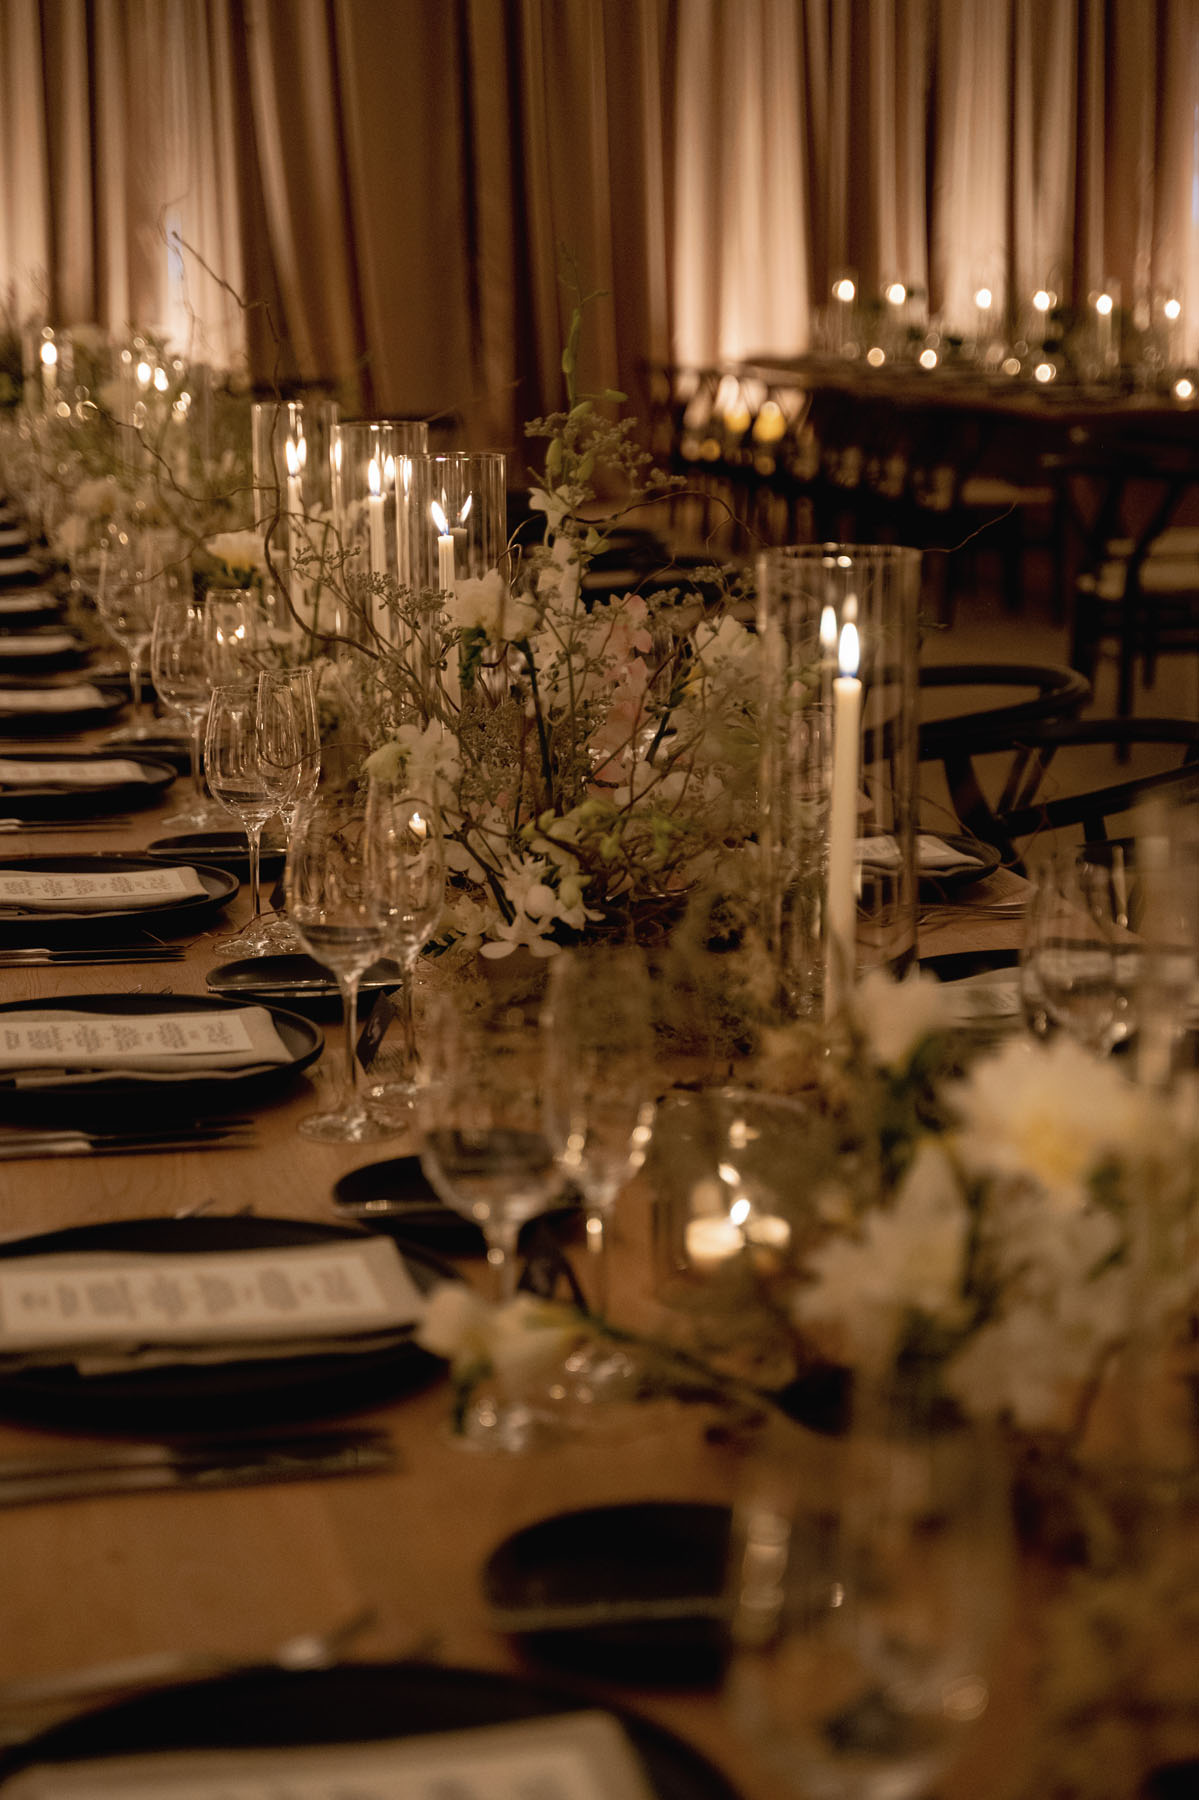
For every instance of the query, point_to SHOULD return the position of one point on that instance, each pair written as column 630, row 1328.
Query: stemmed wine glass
column 409, row 827
column 485, row 1155
column 252, row 755
column 598, row 1084
column 1077, row 959
column 275, row 934
column 868, row 1588
column 337, row 898
column 181, row 665
column 126, row 597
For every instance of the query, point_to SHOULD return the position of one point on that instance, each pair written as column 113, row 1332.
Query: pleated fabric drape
column 374, row 194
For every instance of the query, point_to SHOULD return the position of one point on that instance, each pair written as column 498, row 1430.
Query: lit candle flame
column 49, row 353
column 373, row 479
column 437, row 512
column 849, row 654
column 828, row 629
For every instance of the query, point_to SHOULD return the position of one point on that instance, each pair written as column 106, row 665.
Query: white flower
column 425, row 758
column 897, row 1016
column 1054, row 1114
column 487, row 604
column 519, row 1341
column 238, row 550
column 909, row 1257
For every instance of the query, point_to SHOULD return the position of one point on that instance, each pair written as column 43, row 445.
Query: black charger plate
column 352, row 1703
column 51, row 802
column 58, row 929
column 221, row 849
column 214, row 1398
column 651, row 1550
column 395, row 1196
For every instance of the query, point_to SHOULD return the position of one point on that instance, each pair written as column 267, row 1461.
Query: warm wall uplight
column 895, row 293
column 1044, row 372
column 983, row 298
column 1043, row 300
column 844, row 289
column 1184, row 388
column 876, row 356
column 1103, row 305
column 928, row 359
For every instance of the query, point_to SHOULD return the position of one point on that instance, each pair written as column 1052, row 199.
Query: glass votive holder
column 457, row 517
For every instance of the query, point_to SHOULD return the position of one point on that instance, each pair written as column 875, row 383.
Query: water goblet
column 599, row 1096
column 252, row 755
column 410, row 829
column 274, row 934
column 126, row 597
column 338, row 901
column 484, row 1154
column 868, row 1585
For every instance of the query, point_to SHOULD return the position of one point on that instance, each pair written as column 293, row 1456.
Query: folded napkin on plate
column 82, row 697
column 38, row 643
column 98, row 891
column 566, row 1756
column 40, row 1045
column 106, row 1309
column 933, row 855
column 67, row 773
column 28, row 599
column 12, row 566
column 13, row 537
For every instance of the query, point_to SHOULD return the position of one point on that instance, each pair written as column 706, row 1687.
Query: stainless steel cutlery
column 43, row 956
column 18, row 1143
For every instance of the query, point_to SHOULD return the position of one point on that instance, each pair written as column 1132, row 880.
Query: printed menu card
column 80, row 697
column 72, row 772
column 575, row 1756
column 96, row 890
column 200, row 1041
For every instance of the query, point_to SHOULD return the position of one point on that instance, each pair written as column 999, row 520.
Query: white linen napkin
column 81, row 697
column 11, row 566
column 13, row 537
column 105, row 1309
column 933, row 854
column 567, row 1756
column 28, row 599
column 38, row 643
column 94, row 1045
column 69, row 773
column 102, row 890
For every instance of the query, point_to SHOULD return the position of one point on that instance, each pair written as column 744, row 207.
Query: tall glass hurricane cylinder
column 837, row 793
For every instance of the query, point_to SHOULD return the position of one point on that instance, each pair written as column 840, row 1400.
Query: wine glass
column 1078, row 956
column 337, row 898
column 252, row 755
column 410, row 829
column 868, row 1586
column 181, row 661
column 484, row 1153
column 127, row 595
column 276, row 935
column 599, row 1104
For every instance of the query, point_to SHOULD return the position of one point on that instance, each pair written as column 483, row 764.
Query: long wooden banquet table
column 240, row 1571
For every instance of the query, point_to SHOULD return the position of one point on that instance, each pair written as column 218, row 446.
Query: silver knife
column 141, row 1468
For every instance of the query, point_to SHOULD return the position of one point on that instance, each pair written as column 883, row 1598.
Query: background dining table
column 240, row 1571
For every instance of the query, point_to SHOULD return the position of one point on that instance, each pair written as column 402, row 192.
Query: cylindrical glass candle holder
column 291, row 449
column 457, row 517
column 837, row 786
column 372, row 477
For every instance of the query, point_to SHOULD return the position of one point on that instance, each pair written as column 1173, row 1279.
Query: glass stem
column 595, row 1243
column 349, row 1006
column 197, row 753
column 254, row 840
column 135, row 685
column 407, row 1015
column 502, row 1237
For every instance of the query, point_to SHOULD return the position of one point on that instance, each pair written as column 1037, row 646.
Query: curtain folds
column 375, row 194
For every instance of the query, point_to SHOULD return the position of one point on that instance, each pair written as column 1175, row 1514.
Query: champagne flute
column 599, row 1104
column 868, row 1587
column 181, row 654
column 410, row 828
column 337, row 898
column 251, row 752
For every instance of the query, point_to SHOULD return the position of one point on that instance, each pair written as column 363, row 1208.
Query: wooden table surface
column 241, row 1570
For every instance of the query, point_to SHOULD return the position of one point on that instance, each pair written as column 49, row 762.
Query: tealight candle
column 766, row 1231
column 842, row 905
column 710, row 1242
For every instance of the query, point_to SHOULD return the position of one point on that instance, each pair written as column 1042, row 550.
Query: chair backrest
column 1038, row 794
column 1056, row 693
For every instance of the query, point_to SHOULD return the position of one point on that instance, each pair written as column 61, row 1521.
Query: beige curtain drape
column 372, row 194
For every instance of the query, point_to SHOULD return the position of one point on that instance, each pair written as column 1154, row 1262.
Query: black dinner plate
column 180, row 1400
column 19, row 570
column 94, row 1102
column 58, row 928
column 222, row 849
column 352, row 1703
column 164, row 746
column 51, row 800
column 28, row 608
column 395, row 1196
column 985, row 860
column 645, row 1551
column 52, row 723
column 298, row 979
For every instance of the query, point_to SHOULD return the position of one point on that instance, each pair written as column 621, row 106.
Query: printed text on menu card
column 68, row 1043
